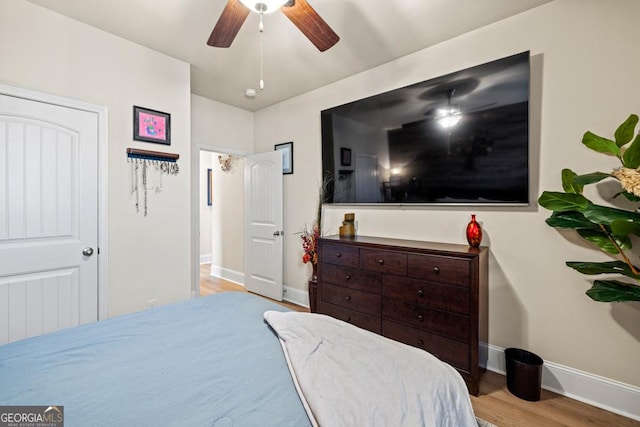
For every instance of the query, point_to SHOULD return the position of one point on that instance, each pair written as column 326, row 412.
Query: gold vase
column 348, row 228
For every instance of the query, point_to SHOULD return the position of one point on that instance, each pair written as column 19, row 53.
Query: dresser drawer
column 362, row 320
column 383, row 261
column 427, row 294
column 453, row 352
column 339, row 255
column 439, row 322
column 351, row 277
column 442, row 269
column 363, row 302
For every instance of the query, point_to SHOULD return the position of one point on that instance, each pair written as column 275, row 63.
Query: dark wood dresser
column 429, row 295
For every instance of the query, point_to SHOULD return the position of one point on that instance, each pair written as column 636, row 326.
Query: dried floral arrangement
column 310, row 237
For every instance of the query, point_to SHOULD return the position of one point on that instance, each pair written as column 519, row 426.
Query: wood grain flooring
column 495, row 403
column 212, row 284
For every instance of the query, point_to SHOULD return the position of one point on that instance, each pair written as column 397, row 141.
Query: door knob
column 276, row 233
column 87, row 251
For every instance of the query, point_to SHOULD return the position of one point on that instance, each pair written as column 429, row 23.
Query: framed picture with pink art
column 151, row 126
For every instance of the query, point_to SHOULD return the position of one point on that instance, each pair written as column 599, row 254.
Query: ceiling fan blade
column 311, row 24
column 228, row 25
column 481, row 107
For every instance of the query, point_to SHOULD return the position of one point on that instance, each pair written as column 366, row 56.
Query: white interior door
column 48, row 217
column 263, row 224
column 367, row 186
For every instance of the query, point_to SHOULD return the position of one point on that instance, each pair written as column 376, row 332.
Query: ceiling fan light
column 448, row 117
column 264, row 6
column 449, row 121
column 448, row 111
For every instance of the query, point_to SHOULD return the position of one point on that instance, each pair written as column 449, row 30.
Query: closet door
column 48, row 217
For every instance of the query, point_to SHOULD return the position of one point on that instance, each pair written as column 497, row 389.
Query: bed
column 231, row 359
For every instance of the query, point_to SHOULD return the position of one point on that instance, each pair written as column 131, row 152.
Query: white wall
column 148, row 258
column 217, row 126
column 585, row 77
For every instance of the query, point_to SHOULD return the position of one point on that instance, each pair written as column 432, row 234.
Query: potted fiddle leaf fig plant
column 608, row 228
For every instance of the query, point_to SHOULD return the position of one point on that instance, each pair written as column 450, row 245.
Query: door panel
column 263, row 224
column 367, row 185
column 48, row 215
column 38, row 303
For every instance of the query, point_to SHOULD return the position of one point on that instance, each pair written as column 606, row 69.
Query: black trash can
column 524, row 373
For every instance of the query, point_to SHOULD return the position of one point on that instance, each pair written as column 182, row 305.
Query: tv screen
column 462, row 138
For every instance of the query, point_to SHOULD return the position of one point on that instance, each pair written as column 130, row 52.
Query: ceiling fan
column 299, row 12
column 449, row 115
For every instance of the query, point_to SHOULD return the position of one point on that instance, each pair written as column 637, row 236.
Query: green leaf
column 563, row 202
column 631, row 156
column 600, row 239
column 613, row 291
column 567, row 182
column 606, row 215
column 623, row 241
column 570, row 219
column 629, row 196
column 590, row 178
column 600, row 144
column 622, row 227
column 608, row 267
column 625, row 131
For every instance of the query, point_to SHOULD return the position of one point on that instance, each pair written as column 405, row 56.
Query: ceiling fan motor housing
column 264, row 6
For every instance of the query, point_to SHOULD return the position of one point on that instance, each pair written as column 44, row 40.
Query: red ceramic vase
column 474, row 232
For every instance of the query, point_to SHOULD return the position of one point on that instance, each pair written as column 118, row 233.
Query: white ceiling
column 372, row 32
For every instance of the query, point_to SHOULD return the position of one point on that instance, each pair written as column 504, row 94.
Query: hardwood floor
column 211, row 285
column 495, row 403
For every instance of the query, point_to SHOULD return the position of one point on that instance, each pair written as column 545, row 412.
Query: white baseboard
column 595, row 390
column 292, row 295
column 296, row 296
column 205, row 259
column 228, row 274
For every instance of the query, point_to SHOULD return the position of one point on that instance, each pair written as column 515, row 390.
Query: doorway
column 221, row 215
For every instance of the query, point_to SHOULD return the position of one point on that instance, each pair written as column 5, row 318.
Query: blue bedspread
column 210, row 361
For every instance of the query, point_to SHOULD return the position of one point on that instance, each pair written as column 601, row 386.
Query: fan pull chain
column 261, row 29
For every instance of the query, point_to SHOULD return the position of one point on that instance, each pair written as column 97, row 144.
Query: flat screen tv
column 458, row 139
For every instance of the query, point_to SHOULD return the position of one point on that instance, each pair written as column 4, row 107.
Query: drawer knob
column 420, row 317
column 420, row 293
column 420, row 342
column 347, row 277
column 381, row 261
column 347, row 298
column 436, row 270
column 338, row 255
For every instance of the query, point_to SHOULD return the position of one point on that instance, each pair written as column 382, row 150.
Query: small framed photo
column 209, row 187
column 286, row 149
column 345, row 157
column 151, row 126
